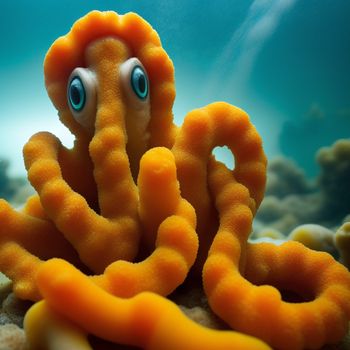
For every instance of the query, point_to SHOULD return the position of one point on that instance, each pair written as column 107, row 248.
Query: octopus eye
column 81, row 96
column 139, row 82
column 135, row 83
column 76, row 94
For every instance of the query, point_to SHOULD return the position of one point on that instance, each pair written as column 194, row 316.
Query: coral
column 292, row 200
column 14, row 189
column 119, row 220
column 15, row 309
column 286, row 213
column 270, row 233
column 284, row 177
column 315, row 237
column 301, row 138
column 334, row 180
column 342, row 243
column 12, row 337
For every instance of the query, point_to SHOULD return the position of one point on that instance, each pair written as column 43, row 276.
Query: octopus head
column 110, row 71
column 112, row 91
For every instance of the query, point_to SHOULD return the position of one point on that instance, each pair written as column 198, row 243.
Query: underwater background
column 285, row 62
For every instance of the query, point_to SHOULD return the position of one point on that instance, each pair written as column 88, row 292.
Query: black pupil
column 75, row 94
column 142, row 83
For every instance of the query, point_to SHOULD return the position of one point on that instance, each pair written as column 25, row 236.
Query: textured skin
column 68, row 52
column 146, row 320
column 71, row 213
column 131, row 206
column 176, row 239
column 25, row 241
column 77, row 200
column 249, row 298
column 217, row 124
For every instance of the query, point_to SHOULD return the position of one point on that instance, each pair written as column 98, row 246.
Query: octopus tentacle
column 106, row 149
column 34, row 208
column 159, row 193
column 259, row 309
column 217, row 124
column 47, row 330
column 320, row 309
column 30, row 236
column 71, row 213
column 73, row 162
column 25, row 241
column 117, row 192
column 21, row 267
column 164, row 270
column 176, row 244
column 38, row 236
column 146, row 320
column 77, row 169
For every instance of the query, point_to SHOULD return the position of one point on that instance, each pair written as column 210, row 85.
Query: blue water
column 286, row 62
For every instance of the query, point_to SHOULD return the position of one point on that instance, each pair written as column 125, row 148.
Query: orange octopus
column 122, row 217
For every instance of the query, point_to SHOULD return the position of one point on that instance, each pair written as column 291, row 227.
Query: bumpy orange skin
column 146, row 320
column 77, row 211
column 248, row 297
column 118, row 196
column 218, row 124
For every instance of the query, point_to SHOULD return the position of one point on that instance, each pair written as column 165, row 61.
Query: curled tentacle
column 218, row 124
column 28, row 237
column 146, row 320
column 94, row 237
column 317, row 292
column 250, row 300
column 26, row 241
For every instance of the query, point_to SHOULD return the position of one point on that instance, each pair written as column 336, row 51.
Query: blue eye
column 139, row 82
column 76, row 94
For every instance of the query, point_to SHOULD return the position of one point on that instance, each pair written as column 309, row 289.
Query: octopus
column 138, row 206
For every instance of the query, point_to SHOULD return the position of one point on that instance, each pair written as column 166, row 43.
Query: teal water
column 286, row 62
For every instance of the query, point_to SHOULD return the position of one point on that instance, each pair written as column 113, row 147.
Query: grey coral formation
column 14, row 189
column 285, row 177
column 8, row 185
column 334, row 180
column 292, row 199
column 301, row 138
